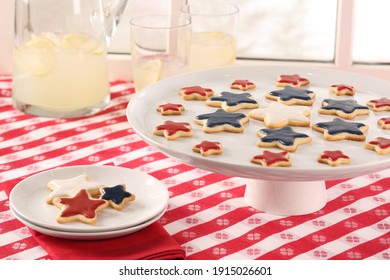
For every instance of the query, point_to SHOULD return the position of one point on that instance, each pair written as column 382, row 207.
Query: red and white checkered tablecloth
column 207, row 214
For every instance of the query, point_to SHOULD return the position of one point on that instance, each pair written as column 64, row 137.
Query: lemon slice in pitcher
column 37, row 56
column 81, row 42
column 148, row 73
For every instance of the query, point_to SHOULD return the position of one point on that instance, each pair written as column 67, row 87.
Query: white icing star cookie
column 277, row 115
column 70, row 187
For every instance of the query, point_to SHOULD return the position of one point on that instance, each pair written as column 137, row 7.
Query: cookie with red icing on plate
column 273, row 159
column 333, row 158
column 379, row 105
column 242, row 85
column 81, row 207
column 381, row 145
column 195, row 93
column 384, row 122
column 173, row 130
column 168, row 109
column 342, row 89
column 206, row 148
column 294, row 80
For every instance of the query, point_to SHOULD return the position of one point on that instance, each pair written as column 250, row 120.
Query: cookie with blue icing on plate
column 339, row 129
column 284, row 138
column 292, row 96
column 346, row 109
column 232, row 102
column 220, row 120
column 117, row 196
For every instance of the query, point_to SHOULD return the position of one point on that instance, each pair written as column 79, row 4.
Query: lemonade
column 211, row 49
column 60, row 76
column 150, row 69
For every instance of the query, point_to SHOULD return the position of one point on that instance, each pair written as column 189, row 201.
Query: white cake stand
column 296, row 190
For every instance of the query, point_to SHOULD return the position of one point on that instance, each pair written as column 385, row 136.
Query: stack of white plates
column 28, row 203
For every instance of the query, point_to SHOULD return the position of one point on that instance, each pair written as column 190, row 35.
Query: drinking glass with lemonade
column 159, row 47
column 213, row 38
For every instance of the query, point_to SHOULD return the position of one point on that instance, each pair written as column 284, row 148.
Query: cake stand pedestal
column 286, row 198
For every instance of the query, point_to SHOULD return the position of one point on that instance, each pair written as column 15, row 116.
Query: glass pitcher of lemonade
column 59, row 60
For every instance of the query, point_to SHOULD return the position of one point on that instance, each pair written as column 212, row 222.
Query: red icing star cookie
column 173, row 130
column 384, row 123
column 380, row 145
column 342, row 89
column 206, row 148
column 333, row 158
column 294, row 80
column 242, row 85
column 81, row 207
column 195, row 93
column 271, row 159
column 379, row 105
column 170, row 109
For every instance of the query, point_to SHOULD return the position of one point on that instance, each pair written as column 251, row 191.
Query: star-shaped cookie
column 380, row 145
column 379, row 105
column 170, row 109
column 292, row 96
column 342, row 89
column 333, row 158
column 232, row 102
column 80, row 207
column 242, row 85
column 339, row 129
column 294, row 80
column 384, row 122
column 173, row 130
column 117, row 196
column 69, row 187
column 196, row 93
column 284, row 138
column 221, row 120
column 267, row 158
column 346, row 109
column 277, row 115
column 206, row 148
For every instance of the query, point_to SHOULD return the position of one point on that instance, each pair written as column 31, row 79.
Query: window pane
column 278, row 29
column 371, row 33
column 294, row 29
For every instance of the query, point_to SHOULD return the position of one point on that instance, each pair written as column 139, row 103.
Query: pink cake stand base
column 286, row 198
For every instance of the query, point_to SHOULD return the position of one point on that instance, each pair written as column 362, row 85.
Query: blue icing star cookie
column 232, row 102
column 346, row 109
column 292, row 96
column 221, row 120
column 339, row 129
column 117, row 196
column 284, row 138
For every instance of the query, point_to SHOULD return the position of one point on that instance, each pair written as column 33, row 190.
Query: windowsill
column 120, row 67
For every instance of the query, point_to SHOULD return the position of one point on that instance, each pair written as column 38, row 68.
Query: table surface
column 207, row 214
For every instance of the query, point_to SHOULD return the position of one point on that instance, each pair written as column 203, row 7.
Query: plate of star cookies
column 269, row 122
column 89, row 202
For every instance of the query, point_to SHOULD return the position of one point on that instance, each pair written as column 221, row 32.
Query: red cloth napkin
column 150, row 243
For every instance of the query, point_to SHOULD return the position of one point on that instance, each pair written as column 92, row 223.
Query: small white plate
column 28, row 198
column 239, row 148
column 87, row 235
